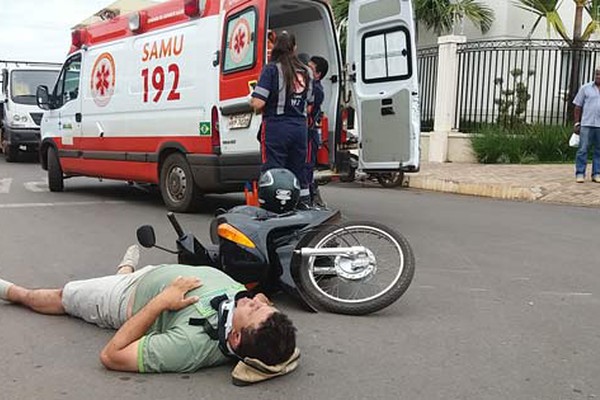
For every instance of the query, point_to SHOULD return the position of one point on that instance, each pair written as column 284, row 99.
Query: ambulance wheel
column 177, row 186
column 349, row 177
column 390, row 179
column 55, row 175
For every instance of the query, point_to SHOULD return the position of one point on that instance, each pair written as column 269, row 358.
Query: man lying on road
column 168, row 320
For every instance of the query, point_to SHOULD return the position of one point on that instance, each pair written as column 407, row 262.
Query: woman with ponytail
column 282, row 94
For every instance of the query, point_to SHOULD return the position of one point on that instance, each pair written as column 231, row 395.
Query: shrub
column 524, row 144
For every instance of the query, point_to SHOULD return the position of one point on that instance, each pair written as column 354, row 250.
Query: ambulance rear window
column 240, row 48
column 386, row 55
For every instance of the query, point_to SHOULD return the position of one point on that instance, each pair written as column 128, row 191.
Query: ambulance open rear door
column 383, row 79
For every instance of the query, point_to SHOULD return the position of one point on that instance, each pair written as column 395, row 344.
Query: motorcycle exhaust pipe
column 350, row 252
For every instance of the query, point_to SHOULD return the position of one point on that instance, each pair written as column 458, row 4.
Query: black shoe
column 304, row 206
column 318, row 200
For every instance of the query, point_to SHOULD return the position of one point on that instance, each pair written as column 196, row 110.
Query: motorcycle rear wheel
column 344, row 285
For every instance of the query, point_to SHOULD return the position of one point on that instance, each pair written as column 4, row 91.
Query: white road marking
column 478, row 290
column 5, row 185
column 567, row 293
column 39, row 186
column 68, row 204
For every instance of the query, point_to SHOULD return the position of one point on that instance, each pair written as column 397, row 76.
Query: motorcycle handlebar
column 175, row 224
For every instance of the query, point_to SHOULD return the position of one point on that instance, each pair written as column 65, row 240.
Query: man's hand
column 263, row 299
column 173, row 296
column 577, row 128
column 121, row 352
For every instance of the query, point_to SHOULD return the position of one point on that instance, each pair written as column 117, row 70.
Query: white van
column 20, row 117
column 161, row 95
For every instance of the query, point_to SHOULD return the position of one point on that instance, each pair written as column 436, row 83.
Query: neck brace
column 225, row 310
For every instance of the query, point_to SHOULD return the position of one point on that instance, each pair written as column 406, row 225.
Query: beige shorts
column 102, row 301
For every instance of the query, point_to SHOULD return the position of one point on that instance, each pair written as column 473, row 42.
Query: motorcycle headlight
column 228, row 232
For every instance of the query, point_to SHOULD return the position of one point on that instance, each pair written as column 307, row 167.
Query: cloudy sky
column 39, row 30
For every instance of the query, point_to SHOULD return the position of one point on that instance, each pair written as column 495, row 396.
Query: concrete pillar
column 445, row 98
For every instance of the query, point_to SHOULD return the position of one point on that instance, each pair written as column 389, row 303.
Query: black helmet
column 278, row 190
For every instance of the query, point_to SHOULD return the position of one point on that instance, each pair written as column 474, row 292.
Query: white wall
column 511, row 22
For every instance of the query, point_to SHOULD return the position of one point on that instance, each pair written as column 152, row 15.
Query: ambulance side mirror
column 42, row 97
column 4, row 80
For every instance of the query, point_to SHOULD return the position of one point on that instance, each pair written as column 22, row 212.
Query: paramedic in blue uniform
column 319, row 67
column 282, row 94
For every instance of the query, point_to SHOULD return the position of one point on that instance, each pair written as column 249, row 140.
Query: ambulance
column 161, row 95
column 20, row 117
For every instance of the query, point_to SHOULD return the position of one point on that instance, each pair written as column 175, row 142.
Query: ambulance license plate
column 240, row 121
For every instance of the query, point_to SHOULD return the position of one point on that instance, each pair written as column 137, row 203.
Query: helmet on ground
column 278, row 190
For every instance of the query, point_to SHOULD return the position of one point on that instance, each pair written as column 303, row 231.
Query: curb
column 497, row 191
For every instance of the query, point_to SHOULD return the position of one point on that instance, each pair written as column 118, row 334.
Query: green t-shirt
column 172, row 344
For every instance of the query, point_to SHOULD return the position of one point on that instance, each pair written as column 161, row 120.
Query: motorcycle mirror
column 145, row 236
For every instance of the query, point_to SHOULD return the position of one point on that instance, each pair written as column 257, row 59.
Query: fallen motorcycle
column 352, row 267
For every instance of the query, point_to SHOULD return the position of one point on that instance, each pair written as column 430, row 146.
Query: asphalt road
column 504, row 304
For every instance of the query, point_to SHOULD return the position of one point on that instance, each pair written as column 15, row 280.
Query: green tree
column 548, row 9
column 441, row 16
column 340, row 10
column 437, row 15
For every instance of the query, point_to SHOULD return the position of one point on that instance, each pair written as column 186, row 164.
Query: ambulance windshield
column 24, row 84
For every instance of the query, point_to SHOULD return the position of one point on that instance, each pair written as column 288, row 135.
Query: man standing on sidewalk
column 587, row 125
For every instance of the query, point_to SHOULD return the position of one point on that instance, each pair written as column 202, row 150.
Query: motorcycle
column 352, row 267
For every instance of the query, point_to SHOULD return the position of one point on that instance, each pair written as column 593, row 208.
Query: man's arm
column 121, row 352
column 577, row 119
column 257, row 104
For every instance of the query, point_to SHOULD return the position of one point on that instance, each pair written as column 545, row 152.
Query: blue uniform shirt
column 271, row 89
column 319, row 96
column 588, row 98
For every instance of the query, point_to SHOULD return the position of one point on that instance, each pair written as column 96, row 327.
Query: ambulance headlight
column 20, row 118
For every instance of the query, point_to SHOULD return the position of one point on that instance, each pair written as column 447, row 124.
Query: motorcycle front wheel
column 360, row 284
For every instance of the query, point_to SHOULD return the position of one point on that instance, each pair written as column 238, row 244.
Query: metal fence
column 427, row 66
column 513, row 81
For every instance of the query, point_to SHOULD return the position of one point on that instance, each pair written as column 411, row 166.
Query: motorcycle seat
column 254, row 212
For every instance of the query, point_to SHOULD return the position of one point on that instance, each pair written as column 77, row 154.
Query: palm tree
column 437, row 15
column 441, row 16
column 548, row 9
column 340, row 9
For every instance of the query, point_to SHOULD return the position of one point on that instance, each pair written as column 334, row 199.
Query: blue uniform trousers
column 311, row 160
column 284, row 145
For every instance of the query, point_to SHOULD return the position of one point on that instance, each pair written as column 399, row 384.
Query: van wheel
column 55, row 174
column 390, row 179
column 177, row 187
column 11, row 153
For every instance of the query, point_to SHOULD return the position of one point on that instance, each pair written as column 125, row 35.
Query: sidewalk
column 546, row 183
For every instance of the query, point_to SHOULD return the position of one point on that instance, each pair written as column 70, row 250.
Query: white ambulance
column 161, row 95
column 20, row 117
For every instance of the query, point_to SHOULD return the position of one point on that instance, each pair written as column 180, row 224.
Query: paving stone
column 552, row 183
